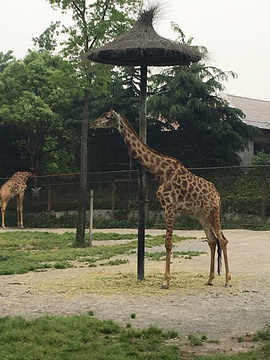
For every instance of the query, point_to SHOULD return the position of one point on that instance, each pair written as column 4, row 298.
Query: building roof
column 257, row 112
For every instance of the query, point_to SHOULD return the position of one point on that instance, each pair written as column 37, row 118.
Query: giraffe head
column 109, row 119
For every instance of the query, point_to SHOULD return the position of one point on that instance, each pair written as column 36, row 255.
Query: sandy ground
column 220, row 313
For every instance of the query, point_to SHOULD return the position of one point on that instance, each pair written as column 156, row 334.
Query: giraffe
column 15, row 186
column 179, row 189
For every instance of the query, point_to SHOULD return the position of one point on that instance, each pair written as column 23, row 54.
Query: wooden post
column 91, row 213
column 49, row 207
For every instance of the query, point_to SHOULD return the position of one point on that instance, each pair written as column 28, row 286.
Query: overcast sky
column 235, row 32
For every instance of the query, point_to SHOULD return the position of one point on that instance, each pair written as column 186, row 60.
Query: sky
column 235, row 32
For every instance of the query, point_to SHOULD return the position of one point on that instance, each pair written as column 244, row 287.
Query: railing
column 243, row 190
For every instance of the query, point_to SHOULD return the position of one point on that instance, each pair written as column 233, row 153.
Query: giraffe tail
column 219, row 253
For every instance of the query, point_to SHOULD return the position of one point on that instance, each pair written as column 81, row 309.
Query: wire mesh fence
column 244, row 192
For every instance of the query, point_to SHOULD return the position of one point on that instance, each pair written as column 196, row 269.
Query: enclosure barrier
column 244, row 192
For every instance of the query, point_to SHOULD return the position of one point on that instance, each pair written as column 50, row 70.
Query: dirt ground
column 222, row 314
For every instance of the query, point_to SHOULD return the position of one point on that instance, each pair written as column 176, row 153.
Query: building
column 257, row 113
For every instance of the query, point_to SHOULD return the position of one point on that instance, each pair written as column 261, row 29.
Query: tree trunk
column 83, row 197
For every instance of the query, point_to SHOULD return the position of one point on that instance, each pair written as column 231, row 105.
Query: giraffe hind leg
column 213, row 243
column 215, row 225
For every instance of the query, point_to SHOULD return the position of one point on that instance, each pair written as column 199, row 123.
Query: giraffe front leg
column 167, row 274
column 3, row 217
column 20, row 210
column 168, row 245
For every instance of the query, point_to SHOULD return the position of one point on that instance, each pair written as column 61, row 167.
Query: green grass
column 160, row 256
column 84, row 337
column 22, row 251
column 81, row 337
column 115, row 262
column 260, row 353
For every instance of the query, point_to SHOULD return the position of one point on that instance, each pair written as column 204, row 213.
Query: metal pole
column 142, row 177
column 91, row 210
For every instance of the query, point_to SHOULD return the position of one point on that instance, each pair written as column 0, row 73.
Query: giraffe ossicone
column 15, row 186
column 179, row 189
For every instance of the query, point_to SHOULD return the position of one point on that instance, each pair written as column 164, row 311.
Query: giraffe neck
column 21, row 176
column 151, row 160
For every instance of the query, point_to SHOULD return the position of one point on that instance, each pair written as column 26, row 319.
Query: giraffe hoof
column 164, row 286
column 209, row 283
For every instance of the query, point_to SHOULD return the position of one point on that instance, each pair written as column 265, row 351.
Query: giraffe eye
column 107, row 117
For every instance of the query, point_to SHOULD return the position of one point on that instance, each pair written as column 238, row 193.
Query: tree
column 46, row 41
column 197, row 125
column 204, row 129
column 94, row 24
column 5, row 59
column 36, row 93
column 124, row 97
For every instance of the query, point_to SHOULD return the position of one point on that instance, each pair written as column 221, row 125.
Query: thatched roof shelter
column 142, row 45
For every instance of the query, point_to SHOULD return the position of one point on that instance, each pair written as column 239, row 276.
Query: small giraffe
column 15, row 186
column 179, row 190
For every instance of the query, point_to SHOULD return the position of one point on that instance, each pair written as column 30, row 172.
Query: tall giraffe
column 179, row 190
column 15, row 186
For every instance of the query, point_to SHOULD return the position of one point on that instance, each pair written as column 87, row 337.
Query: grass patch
column 22, row 251
column 263, row 335
column 81, row 337
column 160, row 256
column 115, row 262
column 194, row 340
column 260, row 353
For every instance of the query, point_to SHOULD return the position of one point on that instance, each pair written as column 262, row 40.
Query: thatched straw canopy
column 142, row 45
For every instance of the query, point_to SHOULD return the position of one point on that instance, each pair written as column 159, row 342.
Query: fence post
column 220, row 185
column 113, row 199
column 49, row 196
column 91, row 211
column 263, row 194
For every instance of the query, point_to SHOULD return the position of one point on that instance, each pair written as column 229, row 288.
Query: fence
column 244, row 192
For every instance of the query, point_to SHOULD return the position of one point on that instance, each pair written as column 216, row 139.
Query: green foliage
column 75, row 337
column 5, row 59
column 36, row 94
column 46, row 41
column 204, row 129
column 194, row 340
column 242, row 192
column 261, row 158
column 263, row 335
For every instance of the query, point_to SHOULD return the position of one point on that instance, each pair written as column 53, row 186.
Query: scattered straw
column 126, row 283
